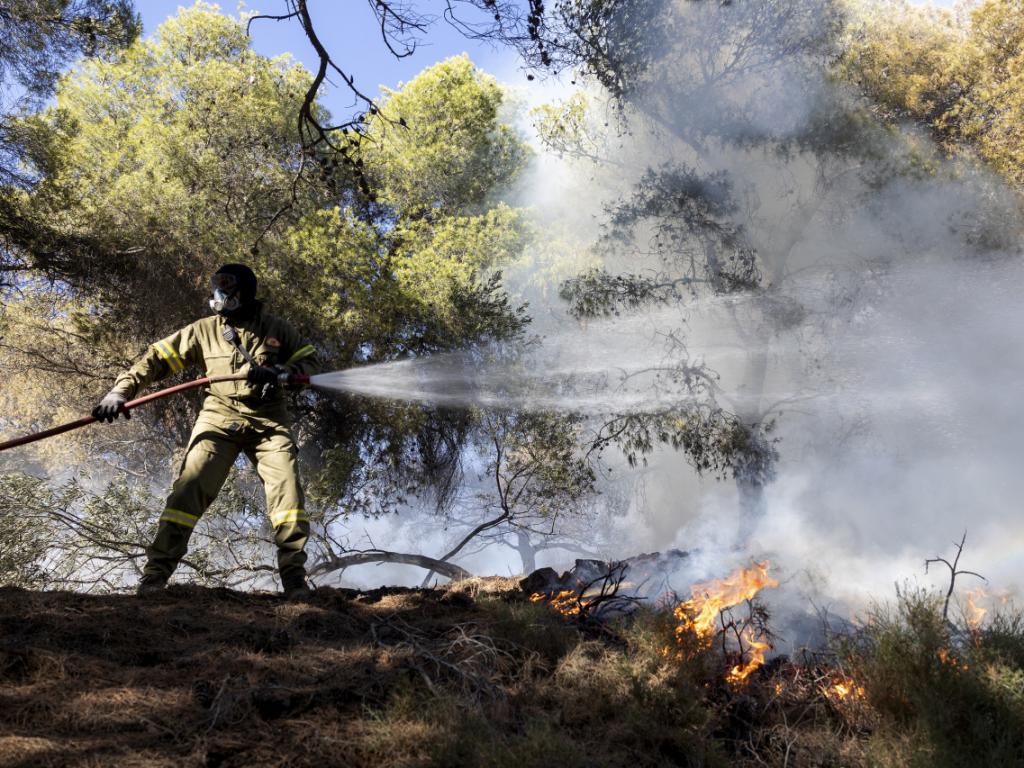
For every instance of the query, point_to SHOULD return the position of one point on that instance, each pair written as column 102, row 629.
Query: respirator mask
column 225, row 298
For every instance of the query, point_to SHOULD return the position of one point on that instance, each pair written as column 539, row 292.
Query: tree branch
column 341, row 562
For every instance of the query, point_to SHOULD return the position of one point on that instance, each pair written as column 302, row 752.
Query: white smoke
column 897, row 370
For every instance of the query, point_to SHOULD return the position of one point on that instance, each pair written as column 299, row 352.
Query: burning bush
column 712, row 604
column 959, row 691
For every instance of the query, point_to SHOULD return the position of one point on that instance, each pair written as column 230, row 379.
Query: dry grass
column 211, row 677
column 469, row 675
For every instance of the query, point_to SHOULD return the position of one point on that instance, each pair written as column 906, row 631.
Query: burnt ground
column 201, row 677
column 475, row 674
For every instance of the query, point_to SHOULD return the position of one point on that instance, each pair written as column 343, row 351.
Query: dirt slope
column 213, row 677
column 478, row 675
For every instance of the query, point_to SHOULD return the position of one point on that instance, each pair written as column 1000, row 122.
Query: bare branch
column 953, row 572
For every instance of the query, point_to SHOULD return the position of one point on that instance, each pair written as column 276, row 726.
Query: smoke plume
column 883, row 328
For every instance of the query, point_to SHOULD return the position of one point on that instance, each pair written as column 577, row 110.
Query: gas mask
column 225, row 299
column 233, row 291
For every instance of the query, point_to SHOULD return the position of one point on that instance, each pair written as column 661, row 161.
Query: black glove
column 110, row 407
column 263, row 375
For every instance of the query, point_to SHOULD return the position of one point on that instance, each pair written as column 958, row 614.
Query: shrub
column 958, row 694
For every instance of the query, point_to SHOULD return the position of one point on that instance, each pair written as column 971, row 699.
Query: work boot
column 151, row 585
column 296, row 589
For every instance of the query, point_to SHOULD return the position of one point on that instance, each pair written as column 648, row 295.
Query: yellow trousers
column 213, row 448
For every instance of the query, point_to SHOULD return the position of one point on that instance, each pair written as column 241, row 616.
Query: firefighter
column 236, row 416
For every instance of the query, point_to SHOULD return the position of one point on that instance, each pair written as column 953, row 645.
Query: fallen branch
column 593, row 607
column 340, row 562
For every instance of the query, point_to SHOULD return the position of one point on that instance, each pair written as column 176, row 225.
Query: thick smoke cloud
column 897, row 369
column 887, row 327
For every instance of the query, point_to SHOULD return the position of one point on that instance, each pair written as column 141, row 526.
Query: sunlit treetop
column 961, row 73
column 437, row 142
column 41, row 37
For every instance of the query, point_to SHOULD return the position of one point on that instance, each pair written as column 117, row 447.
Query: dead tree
column 954, row 571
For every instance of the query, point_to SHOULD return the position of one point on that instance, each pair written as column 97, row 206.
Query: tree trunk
column 527, row 552
column 753, row 506
column 750, row 481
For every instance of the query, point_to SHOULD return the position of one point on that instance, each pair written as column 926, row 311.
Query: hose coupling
column 293, row 379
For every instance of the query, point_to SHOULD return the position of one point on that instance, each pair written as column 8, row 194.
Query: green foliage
column 599, row 293
column 24, row 534
column 626, row 47
column 713, row 440
column 959, row 695
column 172, row 158
column 437, row 264
column 42, row 36
column 180, row 154
column 690, row 80
column 961, row 75
column 1003, row 636
column 568, row 129
column 535, row 459
column 68, row 535
column 437, row 147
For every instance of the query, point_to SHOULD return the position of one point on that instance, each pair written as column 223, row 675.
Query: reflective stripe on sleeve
column 174, row 353
column 180, row 517
column 166, row 351
column 288, row 516
column 300, row 353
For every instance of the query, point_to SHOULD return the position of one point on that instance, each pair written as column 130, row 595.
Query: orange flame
column 756, row 648
column 700, row 613
column 712, row 597
column 945, row 657
column 844, row 689
column 975, row 613
column 566, row 602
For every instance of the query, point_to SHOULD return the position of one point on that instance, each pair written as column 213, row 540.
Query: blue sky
column 350, row 32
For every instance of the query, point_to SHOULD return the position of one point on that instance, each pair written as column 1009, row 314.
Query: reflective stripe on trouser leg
column 277, row 466
column 291, row 541
column 209, row 458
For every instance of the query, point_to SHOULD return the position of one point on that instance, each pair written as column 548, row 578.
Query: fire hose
column 290, row 379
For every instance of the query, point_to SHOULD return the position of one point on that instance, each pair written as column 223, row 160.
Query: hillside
column 474, row 674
